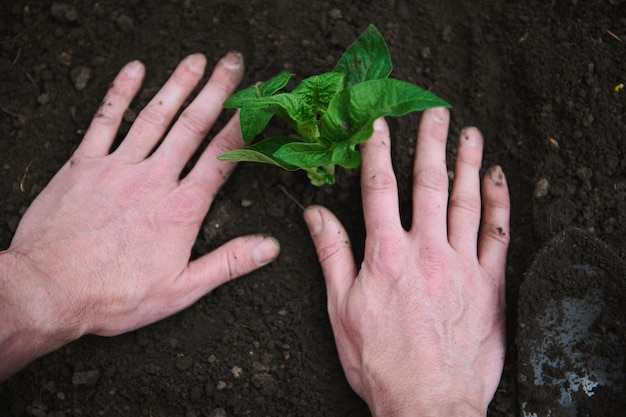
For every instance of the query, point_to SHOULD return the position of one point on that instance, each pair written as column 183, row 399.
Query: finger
column 235, row 258
column 494, row 237
column 430, row 175
column 194, row 123
column 464, row 204
column 105, row 124
column 155, row 118
column 378, row 181
column 209, row 173
column 333, row 251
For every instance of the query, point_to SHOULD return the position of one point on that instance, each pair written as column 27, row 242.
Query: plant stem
column 321, row 175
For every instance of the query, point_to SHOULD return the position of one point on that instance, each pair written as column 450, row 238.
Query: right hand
column 420, row 329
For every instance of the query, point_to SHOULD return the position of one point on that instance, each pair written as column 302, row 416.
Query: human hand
column 105, row 248
column 420, row 329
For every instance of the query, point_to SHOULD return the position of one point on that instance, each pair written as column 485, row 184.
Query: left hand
column 105, row 248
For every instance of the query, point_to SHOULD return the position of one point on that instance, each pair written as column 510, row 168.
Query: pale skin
column 420, row 328
column 105, row 249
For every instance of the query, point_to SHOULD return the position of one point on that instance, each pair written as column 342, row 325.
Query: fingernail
column 471, row 137
column 196, row 63
column 133, row 69
column 496, row 175
column 266, row 251
column 313, row 219
column 379, row 124
column 233, row 60
column 439, row 114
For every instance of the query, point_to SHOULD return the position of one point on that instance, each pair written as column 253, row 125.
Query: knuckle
column 379, row 182
column 465, row 201
column 182, row 208
column 389, row 256
column 223, row 81
column 193, row 123
column 497, row 233
column 153, row 115
column 233, row 263
column 106, row 114
column 223, row 85
column 432, row 257
column 227, row 140
column 500, row 202
column 328, row 251
column 431, row 178
column 142, row 185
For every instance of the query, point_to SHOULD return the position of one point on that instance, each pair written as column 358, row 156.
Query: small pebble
column 541, row 188
column 584, row 173
column 588, row 120
column 184, row 363
column 236, row 371
column 64, row 12
column 85, row 377
column 447, row 34
column 218, row 412
column 64, row 58
column 334, row 14
column 43, row 99
column 125, row 23
column 80, row 77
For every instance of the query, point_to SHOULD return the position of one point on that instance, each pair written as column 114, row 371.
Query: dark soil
column 537, row 77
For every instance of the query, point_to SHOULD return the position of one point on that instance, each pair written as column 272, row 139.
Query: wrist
column 31, row 324
column 447, row 409
column 422, row 401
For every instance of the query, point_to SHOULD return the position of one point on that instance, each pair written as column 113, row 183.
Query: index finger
column 378, row 181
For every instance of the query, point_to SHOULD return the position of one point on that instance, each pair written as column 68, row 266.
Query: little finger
column 105, row 124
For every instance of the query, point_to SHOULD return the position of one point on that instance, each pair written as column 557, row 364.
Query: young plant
column 331, row 113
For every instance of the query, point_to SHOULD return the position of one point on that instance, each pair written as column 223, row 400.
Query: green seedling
column 331, row 113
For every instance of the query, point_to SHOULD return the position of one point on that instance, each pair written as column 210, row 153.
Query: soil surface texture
column 541, row 79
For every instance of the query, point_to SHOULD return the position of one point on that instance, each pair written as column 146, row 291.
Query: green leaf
column 366, row 59
column 293, row 108
column 344, row 154
column 332, row 113
column 256, row 113
column 351, row 114
column 263, row 151
column 254, row 120
column 305, row 155
column 319, row 90
column 267, row 88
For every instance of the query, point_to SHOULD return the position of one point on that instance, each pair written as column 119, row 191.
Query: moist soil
column 539, row 78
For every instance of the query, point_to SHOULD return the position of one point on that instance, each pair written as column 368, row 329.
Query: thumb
column 231, row 260
column 333, row 251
